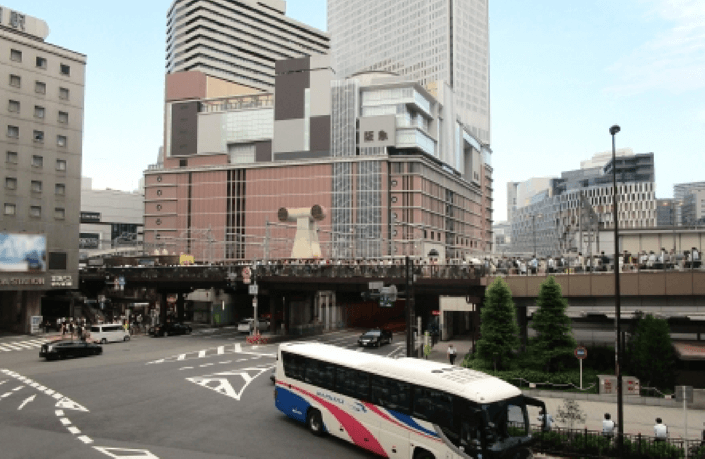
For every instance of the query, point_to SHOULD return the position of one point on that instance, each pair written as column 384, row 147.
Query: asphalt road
column 203, row 396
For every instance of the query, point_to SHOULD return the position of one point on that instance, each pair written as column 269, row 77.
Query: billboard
column 23, row 253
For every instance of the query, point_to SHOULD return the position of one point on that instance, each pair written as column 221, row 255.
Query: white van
column 104, row 333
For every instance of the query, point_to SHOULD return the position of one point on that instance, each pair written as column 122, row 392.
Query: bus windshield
column 507, row 423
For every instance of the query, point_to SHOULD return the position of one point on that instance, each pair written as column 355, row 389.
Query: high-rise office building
column 430, row 41
column 41, row 147
column 237, row 40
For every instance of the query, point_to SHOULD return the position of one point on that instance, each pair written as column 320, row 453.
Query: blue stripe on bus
column 409, row 421
column 291, row 404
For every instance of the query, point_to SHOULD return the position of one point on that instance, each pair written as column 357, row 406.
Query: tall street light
column 617, row 294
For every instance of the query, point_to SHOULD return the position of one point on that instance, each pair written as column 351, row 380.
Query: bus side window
column 391, row 394
column 433, row 406
column 471, row 430
column 353, row 383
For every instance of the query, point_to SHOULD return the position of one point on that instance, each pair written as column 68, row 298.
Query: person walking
column 451, row 354
column 608, row 426
column 549, row 420
column 660, row 430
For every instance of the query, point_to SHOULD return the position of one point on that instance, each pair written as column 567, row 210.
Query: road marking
column 181, row 357
column 65, row 421
column 186, row 368
column 221, row 350
column 201, row 354
column 237, row 348
column 49, row 391
column 14, row 348
column 59, row 413
column 226, row 362
column 74, row 430
column 220, row 382
column 3, row 382
column 206, row 365
column 132, row 453
column 68, row 404
column 58, row 396
column 242, row 360
column 5, row 395
column 86, row 440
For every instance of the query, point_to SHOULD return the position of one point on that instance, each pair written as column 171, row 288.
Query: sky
column 561, row 73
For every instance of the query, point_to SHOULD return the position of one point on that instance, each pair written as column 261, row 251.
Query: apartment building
column 41, row 123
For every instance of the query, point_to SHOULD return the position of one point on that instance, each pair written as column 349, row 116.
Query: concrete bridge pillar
column 180, row 306
column 162, row 307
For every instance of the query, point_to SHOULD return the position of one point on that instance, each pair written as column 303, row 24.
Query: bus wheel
column 423, row 454
column 314, row 422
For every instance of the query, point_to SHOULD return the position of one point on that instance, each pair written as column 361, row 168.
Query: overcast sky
column 561, row 74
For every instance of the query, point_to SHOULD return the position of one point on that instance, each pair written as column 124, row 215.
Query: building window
column 10, row 209
column 35, row 211
column 39, row 112
column 38, row 136
column 40, row 87
column 15, row 55
column 61, row 140
column 60, row 189
column 59, row 213
column 60, row 164
column 36, row 186
column 16, row 81
column 11, row 157
column 13, row 131
column 159, row 221
column 394, row 183
column 183, row 162
column 10, row 183
column 57, row 260
column 65, row 69
column 63, row 93
column 41, row 62
column 159, row 178
column 159, row 207
column 394, row 199
column 63, row 117
column 37, row 161
column 13, row 106
column 159, row 192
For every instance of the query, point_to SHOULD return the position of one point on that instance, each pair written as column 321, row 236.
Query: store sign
column 61, row 281
column 88, row 240
column 23, row 252
column 90, row 217
column 15, row 281
column 23, row 23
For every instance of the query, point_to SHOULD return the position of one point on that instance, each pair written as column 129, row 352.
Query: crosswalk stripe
column 181, row 357
column 201, row 354
column 37, row 341
column 221, row 350
column 2, row 348
column 13, row 347
column 26, row 346
column 238, row 348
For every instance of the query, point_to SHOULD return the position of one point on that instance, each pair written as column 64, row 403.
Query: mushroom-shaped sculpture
column 306, row 243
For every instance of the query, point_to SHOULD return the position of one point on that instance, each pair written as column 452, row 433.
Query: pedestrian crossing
column 9, row 346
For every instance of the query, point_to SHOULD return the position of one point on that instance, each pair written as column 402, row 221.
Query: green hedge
column 593, row 444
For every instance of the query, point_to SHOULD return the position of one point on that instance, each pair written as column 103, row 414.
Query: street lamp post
column 617, row 294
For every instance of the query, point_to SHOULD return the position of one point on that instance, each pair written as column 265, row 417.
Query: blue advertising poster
column 23, row 252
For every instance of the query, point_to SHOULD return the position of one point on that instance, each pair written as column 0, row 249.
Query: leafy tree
column 651, row 357
column 570, row 413
column 554, row 341
column 499, row 329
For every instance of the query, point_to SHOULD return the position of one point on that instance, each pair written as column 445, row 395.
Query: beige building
column 41, row 124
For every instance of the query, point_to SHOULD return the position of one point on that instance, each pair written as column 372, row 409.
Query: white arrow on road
column 27, row 400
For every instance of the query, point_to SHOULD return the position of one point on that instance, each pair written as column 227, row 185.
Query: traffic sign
column 254, row 289
column 580, row 352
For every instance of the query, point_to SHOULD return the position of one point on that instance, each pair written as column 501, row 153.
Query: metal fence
column 586, row 443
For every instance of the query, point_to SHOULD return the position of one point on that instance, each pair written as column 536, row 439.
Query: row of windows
column 40, row 87
column 36, row 186
column 432, row 405
column 39, row 111
column 37, row 136
column 34, row 211
column 40, row 62
column 11, row 157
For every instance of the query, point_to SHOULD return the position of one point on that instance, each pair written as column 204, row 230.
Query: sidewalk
column 639, row 418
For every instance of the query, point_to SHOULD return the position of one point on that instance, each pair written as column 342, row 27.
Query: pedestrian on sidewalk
column 549, row 420
column 660, row 430
column 452, row 353
column 608, row 426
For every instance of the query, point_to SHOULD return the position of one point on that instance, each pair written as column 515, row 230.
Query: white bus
column 404, row 408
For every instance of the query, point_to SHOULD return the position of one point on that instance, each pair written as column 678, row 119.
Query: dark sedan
column 69, row 349
column 170, row 329
column 375, row 338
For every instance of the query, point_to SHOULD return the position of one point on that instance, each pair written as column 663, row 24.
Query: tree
column 570, row 413
column 554, row 340
column 650, row 352
column 499, row 329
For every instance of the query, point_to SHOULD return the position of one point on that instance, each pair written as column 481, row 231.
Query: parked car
column 69, row 349
column 247, row 325
column 169, row 329
column 375, row 337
